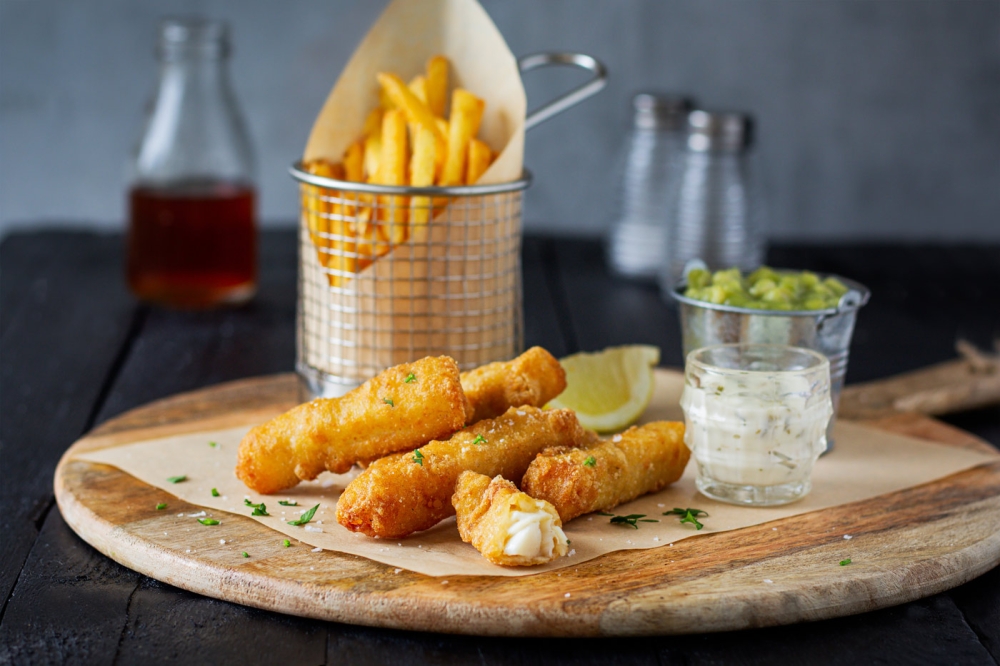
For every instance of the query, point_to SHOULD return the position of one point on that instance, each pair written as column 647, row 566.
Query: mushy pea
column 765, row 289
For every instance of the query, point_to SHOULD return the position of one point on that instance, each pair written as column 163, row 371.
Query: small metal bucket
column 827, row 331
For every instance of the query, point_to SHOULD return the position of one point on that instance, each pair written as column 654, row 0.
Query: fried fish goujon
column 401, row 408
column 408, row 492
column 533, row 378
column 507, row 526
column 600, row 477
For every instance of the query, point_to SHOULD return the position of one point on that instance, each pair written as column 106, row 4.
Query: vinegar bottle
column 192, row 236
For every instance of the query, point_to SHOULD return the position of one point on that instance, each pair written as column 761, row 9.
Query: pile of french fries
column 406, row 141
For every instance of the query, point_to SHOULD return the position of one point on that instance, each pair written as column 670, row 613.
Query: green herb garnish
column 632, row 520
column 286, row 543
column 418, row 457
column 389, row 402
column 479, row 440
column 844, row 563
column 246, row 554
column 212, row 444
column 177, row 479
column 215, row 492
column 591, row 461
column 410, row 378
column 161, row 506
column 287, row 503
column 208, row 521
column 258, row 509
column 688, row 516
column 305, row 518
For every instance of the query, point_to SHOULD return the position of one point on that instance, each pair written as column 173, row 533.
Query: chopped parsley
column 286, row 543
column 844, row 563
column 215, row 492
column 305, row 518
column 688, row 516
column 389, row 402
column 258, row 509
column 418, row 457
column 161, row 506
column 288, row 503
column 208, row 521
column 246, row 554
column 632, row 520
column 177, row 479
column 591, row 461
column 410, row 378
column 480, row 440
column 213, row 444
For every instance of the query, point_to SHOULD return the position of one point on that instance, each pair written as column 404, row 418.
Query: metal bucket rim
column 299, row 174
column 676, row 294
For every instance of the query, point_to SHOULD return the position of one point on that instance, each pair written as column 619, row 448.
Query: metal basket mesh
column 389, row 278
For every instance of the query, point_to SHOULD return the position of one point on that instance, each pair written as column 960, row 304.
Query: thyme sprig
column 688, row 515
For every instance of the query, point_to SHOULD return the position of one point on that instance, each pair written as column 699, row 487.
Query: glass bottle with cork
column 192, row 237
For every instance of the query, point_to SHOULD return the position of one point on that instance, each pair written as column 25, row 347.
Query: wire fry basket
column 389, row 274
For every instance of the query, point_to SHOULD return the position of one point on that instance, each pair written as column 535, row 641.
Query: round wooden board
column 906, row 545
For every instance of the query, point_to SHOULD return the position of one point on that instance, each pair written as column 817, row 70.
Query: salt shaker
column 636, row 242
column 714, row 207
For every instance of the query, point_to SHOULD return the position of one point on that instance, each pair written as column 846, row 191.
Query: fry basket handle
column 573, row 97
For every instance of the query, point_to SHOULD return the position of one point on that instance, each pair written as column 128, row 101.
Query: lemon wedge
column 609, row 389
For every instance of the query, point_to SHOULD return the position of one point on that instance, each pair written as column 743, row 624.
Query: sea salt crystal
column 661, row 505
column 188, row 550
column 310, row 528
column 197, row 515
column 520, row 413
column 567, row 595
column 317, row 550
column 180, row 515
column 396, row 570
column 616, row 438
column 222, row 542
column 571, row 553
column 848, row 537
column 774, row 529
column 444, row 582
column 656, row 538
column 768, row 581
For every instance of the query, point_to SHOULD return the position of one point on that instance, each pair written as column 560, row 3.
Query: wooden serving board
column 905, row 545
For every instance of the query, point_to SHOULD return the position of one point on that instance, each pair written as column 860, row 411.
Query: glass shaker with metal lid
column 636, row 241
column 714, row 208
column 192, row 237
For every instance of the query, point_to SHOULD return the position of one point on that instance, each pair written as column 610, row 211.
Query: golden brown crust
column 641, row 460
column 401, row 493
column 533, row 378
column 484, row 509
column 383, row 415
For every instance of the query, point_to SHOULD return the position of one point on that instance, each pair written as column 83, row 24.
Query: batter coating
column 508, row 527
column 408, row 492
column 600, row 477
column 533, row 378
column 400, row 408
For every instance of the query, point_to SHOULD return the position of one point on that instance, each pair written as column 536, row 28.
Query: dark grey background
column 877, row 118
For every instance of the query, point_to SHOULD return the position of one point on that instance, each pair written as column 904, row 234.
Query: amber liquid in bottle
column 192, row 245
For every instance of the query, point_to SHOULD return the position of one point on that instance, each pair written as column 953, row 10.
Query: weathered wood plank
column 66, row 316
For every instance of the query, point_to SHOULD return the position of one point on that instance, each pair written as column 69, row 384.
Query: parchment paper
column 866, row 463
column 452, row 287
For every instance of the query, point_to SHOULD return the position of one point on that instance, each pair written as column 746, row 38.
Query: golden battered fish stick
column 600, row 477
column 401, row 408
column 533, row 378
column 408, row 492
column 508, row 527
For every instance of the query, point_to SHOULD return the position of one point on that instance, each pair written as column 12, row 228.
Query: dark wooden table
column 76, row 349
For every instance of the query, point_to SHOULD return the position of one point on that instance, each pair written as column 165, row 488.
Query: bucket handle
column 573, row 97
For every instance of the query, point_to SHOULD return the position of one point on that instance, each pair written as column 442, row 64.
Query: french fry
column 373, row 154
column 392, row 171
column 354, row 162
column 418, row 86
column 416, row 110
column 319, row 213
column 479, row 161
column 437, row 84
column 466, row 114
column 373, row 123
column 422, row 170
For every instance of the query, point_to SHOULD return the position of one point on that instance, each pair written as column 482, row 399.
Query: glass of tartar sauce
column 756, row 420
